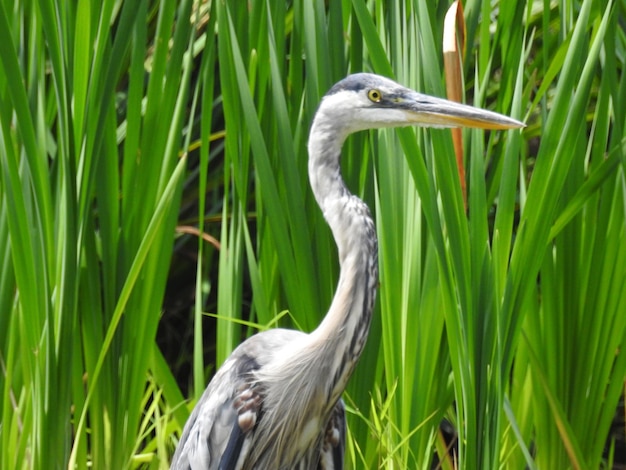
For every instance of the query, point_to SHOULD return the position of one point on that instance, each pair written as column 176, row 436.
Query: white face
column 366, row 101
column 380, row 105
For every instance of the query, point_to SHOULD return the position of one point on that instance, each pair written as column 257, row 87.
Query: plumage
column 214, row 437
column 276, row 401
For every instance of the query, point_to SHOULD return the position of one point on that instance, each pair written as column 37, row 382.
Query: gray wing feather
column 211, row 423
column 232, row 453
column 213, row 438
column 220, row 433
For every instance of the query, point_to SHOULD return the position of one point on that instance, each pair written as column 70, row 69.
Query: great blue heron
column 276, row 401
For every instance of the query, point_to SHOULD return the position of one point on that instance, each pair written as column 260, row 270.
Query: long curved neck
column 309, row 375
column 340, row 337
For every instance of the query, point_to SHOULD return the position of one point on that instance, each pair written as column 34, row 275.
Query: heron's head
column 367, row 101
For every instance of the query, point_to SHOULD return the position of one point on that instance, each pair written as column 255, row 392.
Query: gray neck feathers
column 342, row 334
column 308, row 377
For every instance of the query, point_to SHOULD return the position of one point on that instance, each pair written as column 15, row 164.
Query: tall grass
column 506, row 320
column 90, row 184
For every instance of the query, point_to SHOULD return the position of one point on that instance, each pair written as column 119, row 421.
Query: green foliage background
column 122, row 120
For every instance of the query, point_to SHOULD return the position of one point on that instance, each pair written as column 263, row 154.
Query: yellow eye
column 375, row 95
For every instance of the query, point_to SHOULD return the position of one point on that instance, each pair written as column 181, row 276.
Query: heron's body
column 276, row 401
column 214, row 425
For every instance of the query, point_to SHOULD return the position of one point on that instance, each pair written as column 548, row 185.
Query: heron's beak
column 430, row 111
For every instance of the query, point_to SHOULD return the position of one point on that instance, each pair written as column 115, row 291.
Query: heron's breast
column 310, row 433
